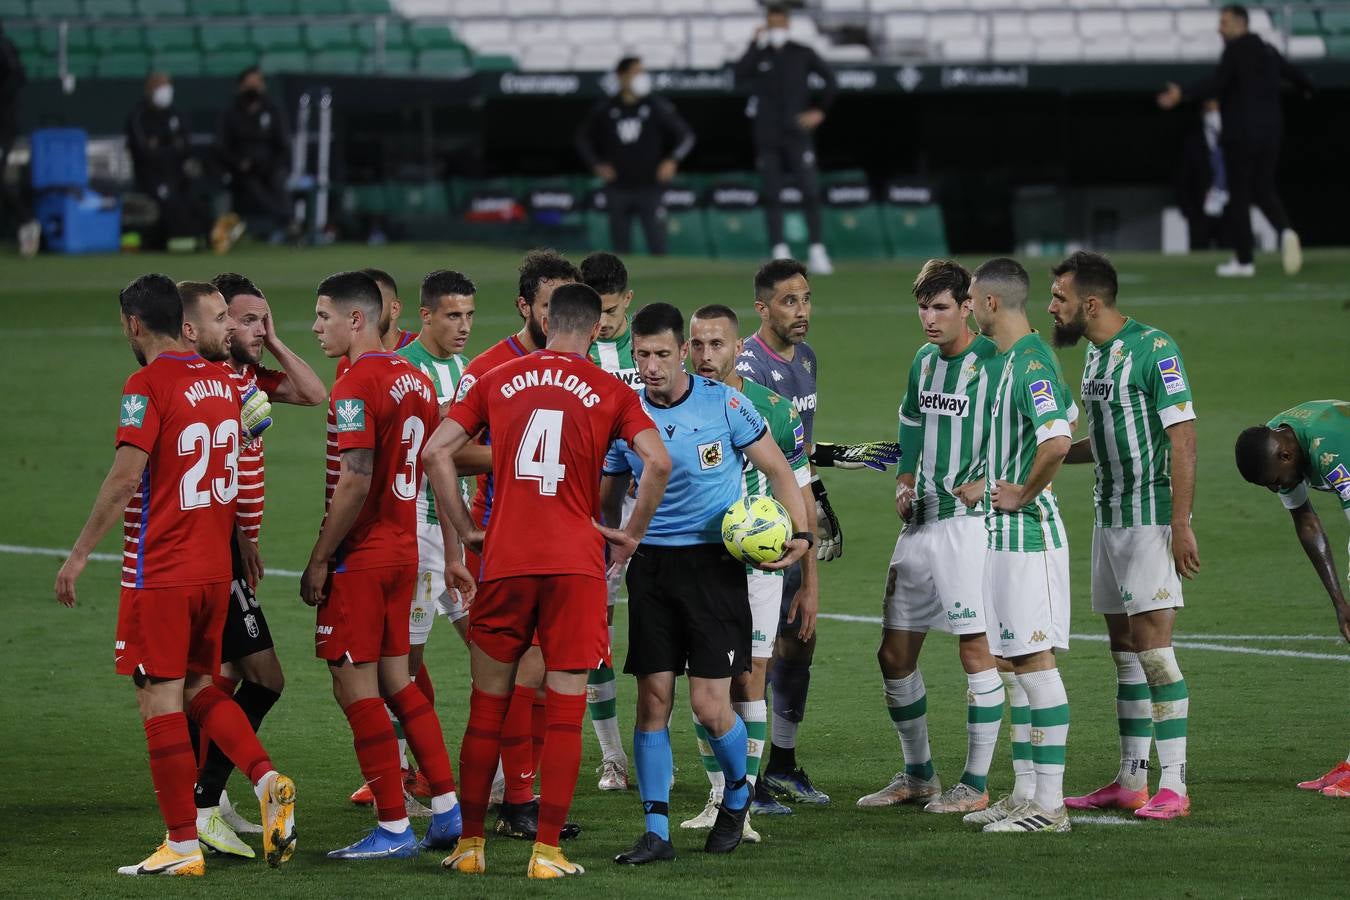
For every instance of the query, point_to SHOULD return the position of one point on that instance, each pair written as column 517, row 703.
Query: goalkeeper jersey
column 1134, row 388
column 616, row 358
column 944, row 423
column 1031, row 406
column 444, row 373
column 1322, row 428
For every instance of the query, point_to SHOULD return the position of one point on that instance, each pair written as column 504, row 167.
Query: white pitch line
column 1102, row 820
column 1186, row 642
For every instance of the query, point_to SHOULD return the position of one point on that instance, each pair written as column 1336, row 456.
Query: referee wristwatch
column 805, row 536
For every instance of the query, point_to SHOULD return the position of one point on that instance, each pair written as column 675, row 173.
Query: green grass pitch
column 75, row 792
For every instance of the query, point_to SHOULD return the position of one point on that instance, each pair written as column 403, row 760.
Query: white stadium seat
column 684, row 7
column 1059, row 50
column 707, row 55
column 1108, row 47
column 633, row 31
column 661, row 54
column 1143, row 22
column 587, row 31
column 1050, row 24
column 530, row 7
column 462, row 8
column 846, row 53
column 1163, row 46
column 589, row 7
column 1019, row 48
column 1197, row 21
column 739, row 29
column 1307, row 47
column 543, row 57
column 1007, row 24
column 944, row 26
column 1205, row 47
column 481, row 31
column 531, row 33
column 941, row 5
column 1098, row 23
column 964, row 49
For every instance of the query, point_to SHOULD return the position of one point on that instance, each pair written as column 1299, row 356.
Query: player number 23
column 540, row 448
column 198, row 439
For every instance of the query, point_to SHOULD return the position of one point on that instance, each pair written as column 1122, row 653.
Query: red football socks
column 377, row 755
column 538, row 729
column 422, row 729
column 478, row 757
column 561, row 760
column 173, row 769
column 518, row 746
column 423, row 681
column 223, row 723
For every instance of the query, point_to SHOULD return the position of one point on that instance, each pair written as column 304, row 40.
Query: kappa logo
column 743, row 367
column 1035, row 365
column 1159, row 343
column 1163, row 594
column 670, row 432
column 1037, row 636
column 1042, row 397
column 133, row 410
column 710, row 455
column 351, row 416
column 1339, row 479
column 938, row 403
column 1173, row 381
column 773, row 400
column 1326, row 459
column 775, row 374
column 1126, row 596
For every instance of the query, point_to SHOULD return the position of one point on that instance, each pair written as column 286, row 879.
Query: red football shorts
column 568, row 613
column 366, row 614
column 168, row 632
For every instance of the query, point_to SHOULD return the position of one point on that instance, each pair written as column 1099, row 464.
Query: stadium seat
column 179, row 63
column 322, row 7
column 153, row 9
column 1052, row 24
column 914, row 230
column 429, row 36
column 482, row 31
column 227, row 62
column 119, row 39
column 56, row 9
column 276, row 37
column 851, row 219
column 1192, row 22
column 494, row 62
column 81, row 62
column 289, row 60
column 1058, row 50
column 1307, row 47
column 213, row 38
column 1100, row 23
column 373, row 7
column 109, row 9
column 78, row 40
column 338, row 61
column 945, row 25
column 581, row 32
column 169, row 38
column 122, row 65
column 13, row 9
column 735, row 218
column 1338, row 46
column 1017, row 48
column 532, row 7
column 444, row 61
column 397, row 61
column 965, row 49
column 1142, row 23
column 329, row 37
column 1007, row 24
column 395, row 35
column 1336, row 21
column 215, row 7
column 545, row 57
column 269, row 7
column 1155, row 46
column 1201, row 47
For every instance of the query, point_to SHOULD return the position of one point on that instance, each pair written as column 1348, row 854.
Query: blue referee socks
column 730, row 751
column 654, row 764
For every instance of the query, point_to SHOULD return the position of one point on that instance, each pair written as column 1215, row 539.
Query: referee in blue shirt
column 687, row 604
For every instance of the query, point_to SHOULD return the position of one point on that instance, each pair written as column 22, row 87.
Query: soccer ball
column 756, row 529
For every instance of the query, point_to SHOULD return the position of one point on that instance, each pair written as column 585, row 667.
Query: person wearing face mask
column 784, row 116
column 164, row 168
column 635, row 141
column 254, row 147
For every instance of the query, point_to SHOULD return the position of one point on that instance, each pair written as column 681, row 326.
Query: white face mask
column 640, row 85
column 778, row 37
column 1213, row 121
column 162, row 96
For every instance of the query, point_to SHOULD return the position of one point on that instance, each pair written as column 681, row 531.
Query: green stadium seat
column 322, row 7
column 851, row 219
column 119, row 38
column 338, row 62
column 270, row 8
column 39, row 67
column 426, row 36
column 56, row 9
column 285, row 61
column 916, row 231
column 13, row 9
column 26, row 40
column 365, row 200
column 448, row 61
column 228, row 62
column 494, row 62
column 1336, row 21
column 123, row 65
column 215, row 7
column 81, row 62
column 169, row 38
column 374, row 7
column 77, row 40
column 418, row 199
column 276, row 37
column 110, row 9
column 212, row 38
column 154, row 9
column 1338, row 46
column 397, row 61
column 395, row 34
column 179, row 63
column 736, row 227
column 330, row 37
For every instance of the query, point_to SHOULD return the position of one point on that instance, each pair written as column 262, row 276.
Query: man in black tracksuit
column 776, row 70
column 634, row 141
column 255, row 150
column 158, row 142
column 1247, row 85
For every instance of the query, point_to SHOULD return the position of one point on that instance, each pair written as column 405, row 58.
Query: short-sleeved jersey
column 332, row 463
column 706, row 432
column 552, row 417
column 503, row 351
column 1323, row 431
column 1031, row 406
column 184, row 412
column 794, row 379
column 386, row 405
column 944, row 423
column 1134, row 388
column 250, row 504
column 445, row 373
column 616, row 358
column 788, row 433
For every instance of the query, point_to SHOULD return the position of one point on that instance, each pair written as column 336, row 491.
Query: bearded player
column 1307, row 446
column 175, row 471
column 552, row 415
column 362, row 571
column 1141, row 441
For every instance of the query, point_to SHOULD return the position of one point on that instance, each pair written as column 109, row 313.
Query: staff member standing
column 255, row 150
column 785, row 116
column 1247, row 86
column 157, row 139
column 634, row 141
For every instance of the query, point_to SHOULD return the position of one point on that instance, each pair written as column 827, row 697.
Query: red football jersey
column 332, row 460
column 503, row 351
column 184, row 412
column 250, row 512
column 384, row 404
column 552, row 417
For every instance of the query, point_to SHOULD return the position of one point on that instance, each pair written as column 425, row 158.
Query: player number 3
column 197, row 439
column 405, row 482
column 540, row 449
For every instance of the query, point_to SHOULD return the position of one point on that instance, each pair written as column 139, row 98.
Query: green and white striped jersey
column 786, row 428
column 445, row 373
column 1134, row 388
column 1323, row 431
column 1031, row 406
column 616, row 358
column 944, row 423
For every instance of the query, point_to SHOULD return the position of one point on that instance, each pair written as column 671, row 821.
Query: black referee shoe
column 521, row 821
column 651, row 847
column 727, row 830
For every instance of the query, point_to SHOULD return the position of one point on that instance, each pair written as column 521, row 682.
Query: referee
column 1247, row 86
column 687, row 603
column 634, row 141
column 777, row 70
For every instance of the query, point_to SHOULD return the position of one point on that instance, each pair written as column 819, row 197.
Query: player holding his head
column 714, row 345
column 552, row 416
column 936, row 574
column 612, row 351
column 1026, row 568
column 688, row 609
column 1307, row 446
column 1141, row 441
column 362, row 572
column 175, row 475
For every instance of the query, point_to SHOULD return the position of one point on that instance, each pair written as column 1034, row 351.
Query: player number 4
column 540, row 449
column 197, row 439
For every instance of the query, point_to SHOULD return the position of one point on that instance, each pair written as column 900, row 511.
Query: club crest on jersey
column 710, row 455
column 1173, row 382
column 1339, row 479
column 133, row 410
column 1099, row 389
column 351, row 415
column 955, row 405
column 806, row 364
column 1042, row 397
